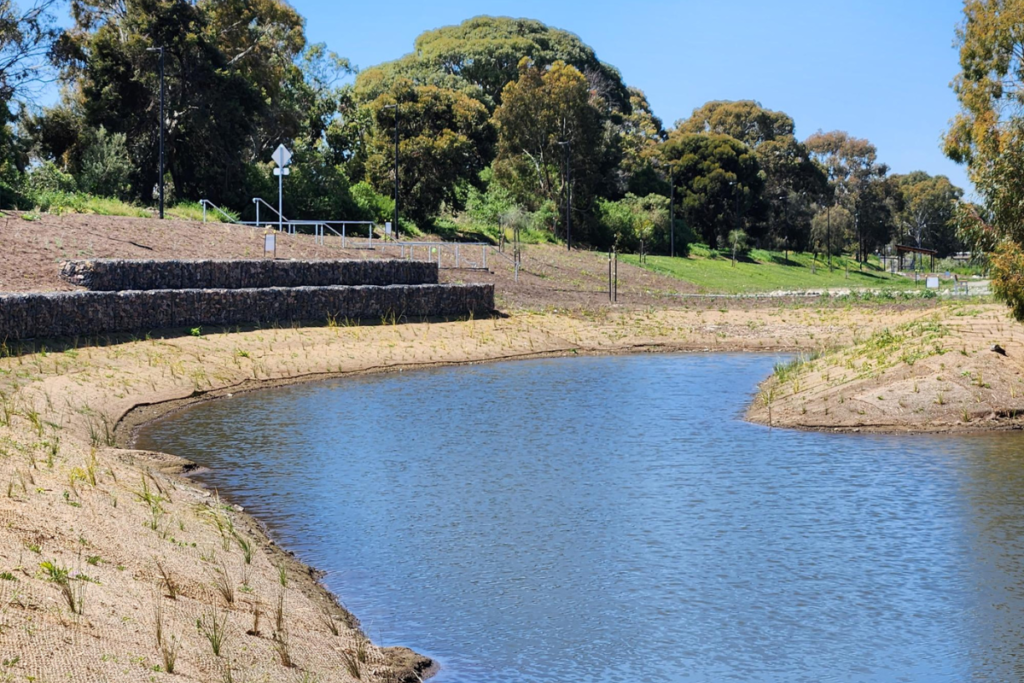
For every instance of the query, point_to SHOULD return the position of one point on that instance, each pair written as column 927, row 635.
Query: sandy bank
column 938, row 373
column 130, row 533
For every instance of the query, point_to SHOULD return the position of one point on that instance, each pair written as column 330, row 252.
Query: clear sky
column 879, row 69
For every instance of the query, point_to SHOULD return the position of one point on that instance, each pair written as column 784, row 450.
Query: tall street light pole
column 395, row 107
column 161, row 180
column 568, row 203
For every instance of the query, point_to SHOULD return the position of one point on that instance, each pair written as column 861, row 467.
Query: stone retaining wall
column 83, row 314
column 114, row 275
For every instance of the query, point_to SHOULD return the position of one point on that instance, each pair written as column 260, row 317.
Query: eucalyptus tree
column 988, row 136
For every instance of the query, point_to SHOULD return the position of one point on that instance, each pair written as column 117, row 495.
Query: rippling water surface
column 613, row 519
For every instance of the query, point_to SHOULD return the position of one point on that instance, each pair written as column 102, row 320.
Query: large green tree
column 549, row 133
column 988, row 136
column 793, row 181
column 854, row 174
column 445, row 138
column 481, row 55
column 228, row 70
column 719, row 184
column 927, row 214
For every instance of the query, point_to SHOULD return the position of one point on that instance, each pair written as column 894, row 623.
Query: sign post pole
column 282, row 157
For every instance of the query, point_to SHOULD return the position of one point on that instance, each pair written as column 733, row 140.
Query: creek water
column 614, row 519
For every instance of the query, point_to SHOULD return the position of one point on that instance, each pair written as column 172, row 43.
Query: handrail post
column 203, row 202
column 484, row 249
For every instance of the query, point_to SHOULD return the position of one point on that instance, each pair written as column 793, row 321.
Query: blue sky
column 879, row 69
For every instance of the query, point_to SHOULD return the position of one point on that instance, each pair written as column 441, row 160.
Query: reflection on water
column 613, row 519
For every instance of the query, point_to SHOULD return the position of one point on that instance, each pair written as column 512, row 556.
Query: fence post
column 456, row 256
column 204, row 210
column 609, row 277
column 484, row 248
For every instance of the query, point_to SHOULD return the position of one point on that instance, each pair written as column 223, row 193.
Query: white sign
column 270, row 244
column 387, row 228
column 282, row 156
column 282, row 171
column 933, row 283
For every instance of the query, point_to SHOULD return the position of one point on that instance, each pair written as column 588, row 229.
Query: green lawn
column 762, row 271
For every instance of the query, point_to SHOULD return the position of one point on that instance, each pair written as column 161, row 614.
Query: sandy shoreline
column 67, row 416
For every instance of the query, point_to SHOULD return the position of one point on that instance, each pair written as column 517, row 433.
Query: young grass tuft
column 214, row 629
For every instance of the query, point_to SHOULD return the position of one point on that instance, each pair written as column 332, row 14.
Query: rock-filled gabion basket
column 84, row 314
column 115, row 275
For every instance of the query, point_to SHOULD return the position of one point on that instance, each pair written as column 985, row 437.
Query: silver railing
column 447, row 255
column 207, row 203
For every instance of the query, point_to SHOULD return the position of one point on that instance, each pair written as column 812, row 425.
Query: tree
column 634, row 219
column 640, row 135
column 792, row 179
column 540, row 111
column 928, row 211
column 852, row 166
column 444, row 139
column 719, row 184
column 481, row 56
column 746, row 120
column 26, row 35
column 988, row 136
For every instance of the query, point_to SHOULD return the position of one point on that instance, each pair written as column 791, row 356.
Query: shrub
column 47, row 178
column 633, row 219
column 106, row 165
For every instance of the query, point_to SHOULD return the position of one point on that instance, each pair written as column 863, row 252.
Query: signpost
column 282, row 157
column 270, row 245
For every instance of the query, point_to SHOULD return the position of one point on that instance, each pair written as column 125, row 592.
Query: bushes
column 106, row 165
column 628, row 221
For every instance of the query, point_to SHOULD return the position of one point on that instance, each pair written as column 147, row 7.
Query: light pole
column 161, row 181
column 568, row 202
column 395, row 107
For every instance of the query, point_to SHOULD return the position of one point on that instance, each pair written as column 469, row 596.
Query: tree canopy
column 483, row 54
column 988, row 136
column 499, row 120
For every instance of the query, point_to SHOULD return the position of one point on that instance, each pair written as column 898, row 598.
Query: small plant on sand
column 281, row 646
column 222, row 582
column 168, row 647
column 214, row 629
column 351, row 662
column 327, row 618
column 74, row 595
column 246, row 547
column 167, row 581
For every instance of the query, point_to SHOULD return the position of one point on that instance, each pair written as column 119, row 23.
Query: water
column 614, row 519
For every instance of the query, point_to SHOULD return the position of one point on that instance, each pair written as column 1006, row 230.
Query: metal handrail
column 207, row 202
column 257, row 201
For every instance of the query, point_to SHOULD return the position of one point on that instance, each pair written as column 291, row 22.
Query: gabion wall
column 83, row 314
column 112, row 275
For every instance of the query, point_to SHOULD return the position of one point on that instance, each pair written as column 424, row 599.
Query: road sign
column 282, row 171
column 282, row 156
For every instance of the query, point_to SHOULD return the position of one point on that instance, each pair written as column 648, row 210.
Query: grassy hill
column 763, row 271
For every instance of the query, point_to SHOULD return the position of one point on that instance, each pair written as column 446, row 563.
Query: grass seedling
column 351, row 662
column 74, row 596
column 214, row 629
column 222, row 582
column 168, row 581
